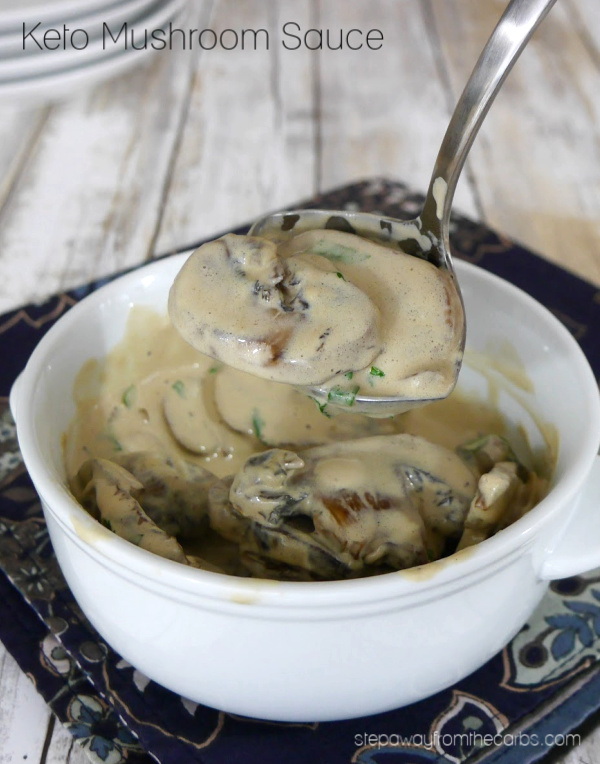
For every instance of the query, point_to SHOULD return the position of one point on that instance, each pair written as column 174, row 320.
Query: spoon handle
column 515, row 27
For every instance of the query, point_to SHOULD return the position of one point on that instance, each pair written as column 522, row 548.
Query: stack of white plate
column 50, row 47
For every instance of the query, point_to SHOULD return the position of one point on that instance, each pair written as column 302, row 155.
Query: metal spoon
column 427, row 236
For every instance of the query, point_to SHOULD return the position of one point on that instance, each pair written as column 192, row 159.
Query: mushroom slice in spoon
column 295, row 320
column 338, row 316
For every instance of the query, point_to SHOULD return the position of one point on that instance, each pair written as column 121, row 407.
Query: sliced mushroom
column 421, row 312
column 289, row 552
column 346, row 509
column 108, row 492
column 505, row 492
column 173, row 495
column 296, row 320
column 280, row 415
column 484, row 452
column 195, row 423
column 495, row 491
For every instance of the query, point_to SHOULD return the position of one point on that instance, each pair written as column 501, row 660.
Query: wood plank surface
column 22, row 735
column 383, row 112
column 248, row 142
column 89, row 196
column 535, row 163
column 62, row 747
column 20, row 128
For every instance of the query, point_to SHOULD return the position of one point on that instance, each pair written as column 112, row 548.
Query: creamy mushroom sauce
column 324, row 309
column 213, row 467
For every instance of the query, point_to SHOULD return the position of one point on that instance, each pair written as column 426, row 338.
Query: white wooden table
column 195, row 142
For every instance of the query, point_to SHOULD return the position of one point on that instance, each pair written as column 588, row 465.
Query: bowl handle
column 13, row 396
column 579, row 549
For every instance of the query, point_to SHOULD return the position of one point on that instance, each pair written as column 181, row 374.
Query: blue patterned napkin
column 526, row 701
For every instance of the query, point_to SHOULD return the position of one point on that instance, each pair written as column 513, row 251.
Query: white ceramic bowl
column 332, row 650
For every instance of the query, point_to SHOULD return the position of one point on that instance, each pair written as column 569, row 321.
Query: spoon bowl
column 405, row 236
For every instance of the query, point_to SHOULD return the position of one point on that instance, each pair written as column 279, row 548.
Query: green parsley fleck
column 179, row 388
column 349, row 374
column 257, row 424
column 375, row 372
column 116, row 446
column 341, row 276
column 129, row 396
column 322, row 407
column 338, row 253
column 343, row 397
column 106, row 523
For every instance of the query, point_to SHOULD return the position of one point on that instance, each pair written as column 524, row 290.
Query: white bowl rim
column 141, row 564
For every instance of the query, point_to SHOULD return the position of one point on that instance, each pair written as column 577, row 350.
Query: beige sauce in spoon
column 325, row 309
